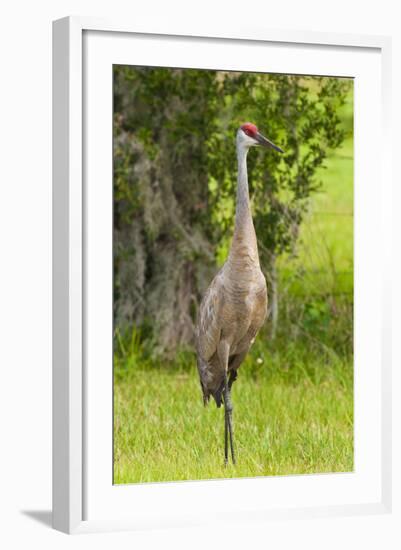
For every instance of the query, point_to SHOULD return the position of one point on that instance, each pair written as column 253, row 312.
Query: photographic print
column 232, row 274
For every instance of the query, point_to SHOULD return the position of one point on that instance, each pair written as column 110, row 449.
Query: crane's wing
column 208, row 329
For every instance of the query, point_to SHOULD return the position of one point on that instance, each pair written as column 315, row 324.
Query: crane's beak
column 267, row 143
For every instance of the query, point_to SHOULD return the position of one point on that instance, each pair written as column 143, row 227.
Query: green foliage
column 162, row 235
column 175, row 178
column 301, row 115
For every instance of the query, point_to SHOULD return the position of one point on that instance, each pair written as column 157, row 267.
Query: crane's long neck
column 244, row 246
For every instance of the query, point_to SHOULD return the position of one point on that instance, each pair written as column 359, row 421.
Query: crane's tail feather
column 218, row 395
column 207, row 383
column 204, row 380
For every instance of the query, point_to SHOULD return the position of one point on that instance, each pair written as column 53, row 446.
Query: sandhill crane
column 234, row 306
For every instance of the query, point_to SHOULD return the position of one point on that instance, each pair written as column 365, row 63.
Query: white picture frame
column 75, row 477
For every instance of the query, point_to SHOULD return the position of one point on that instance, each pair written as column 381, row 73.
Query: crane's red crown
column 250, row 129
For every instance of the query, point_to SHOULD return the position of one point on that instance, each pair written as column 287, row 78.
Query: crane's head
column 248, row 135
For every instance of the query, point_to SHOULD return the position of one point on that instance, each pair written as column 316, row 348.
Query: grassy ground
column 293, row 405
column 289, row 418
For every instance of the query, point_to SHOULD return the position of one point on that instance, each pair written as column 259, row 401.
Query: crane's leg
column 223, row 351
column 228, row 410
column 225, row 435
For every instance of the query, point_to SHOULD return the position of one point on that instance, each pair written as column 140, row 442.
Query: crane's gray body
column 234, row 306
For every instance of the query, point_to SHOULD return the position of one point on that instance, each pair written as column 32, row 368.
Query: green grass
column 290, row 417
column 325, row 247
column 328, row 229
